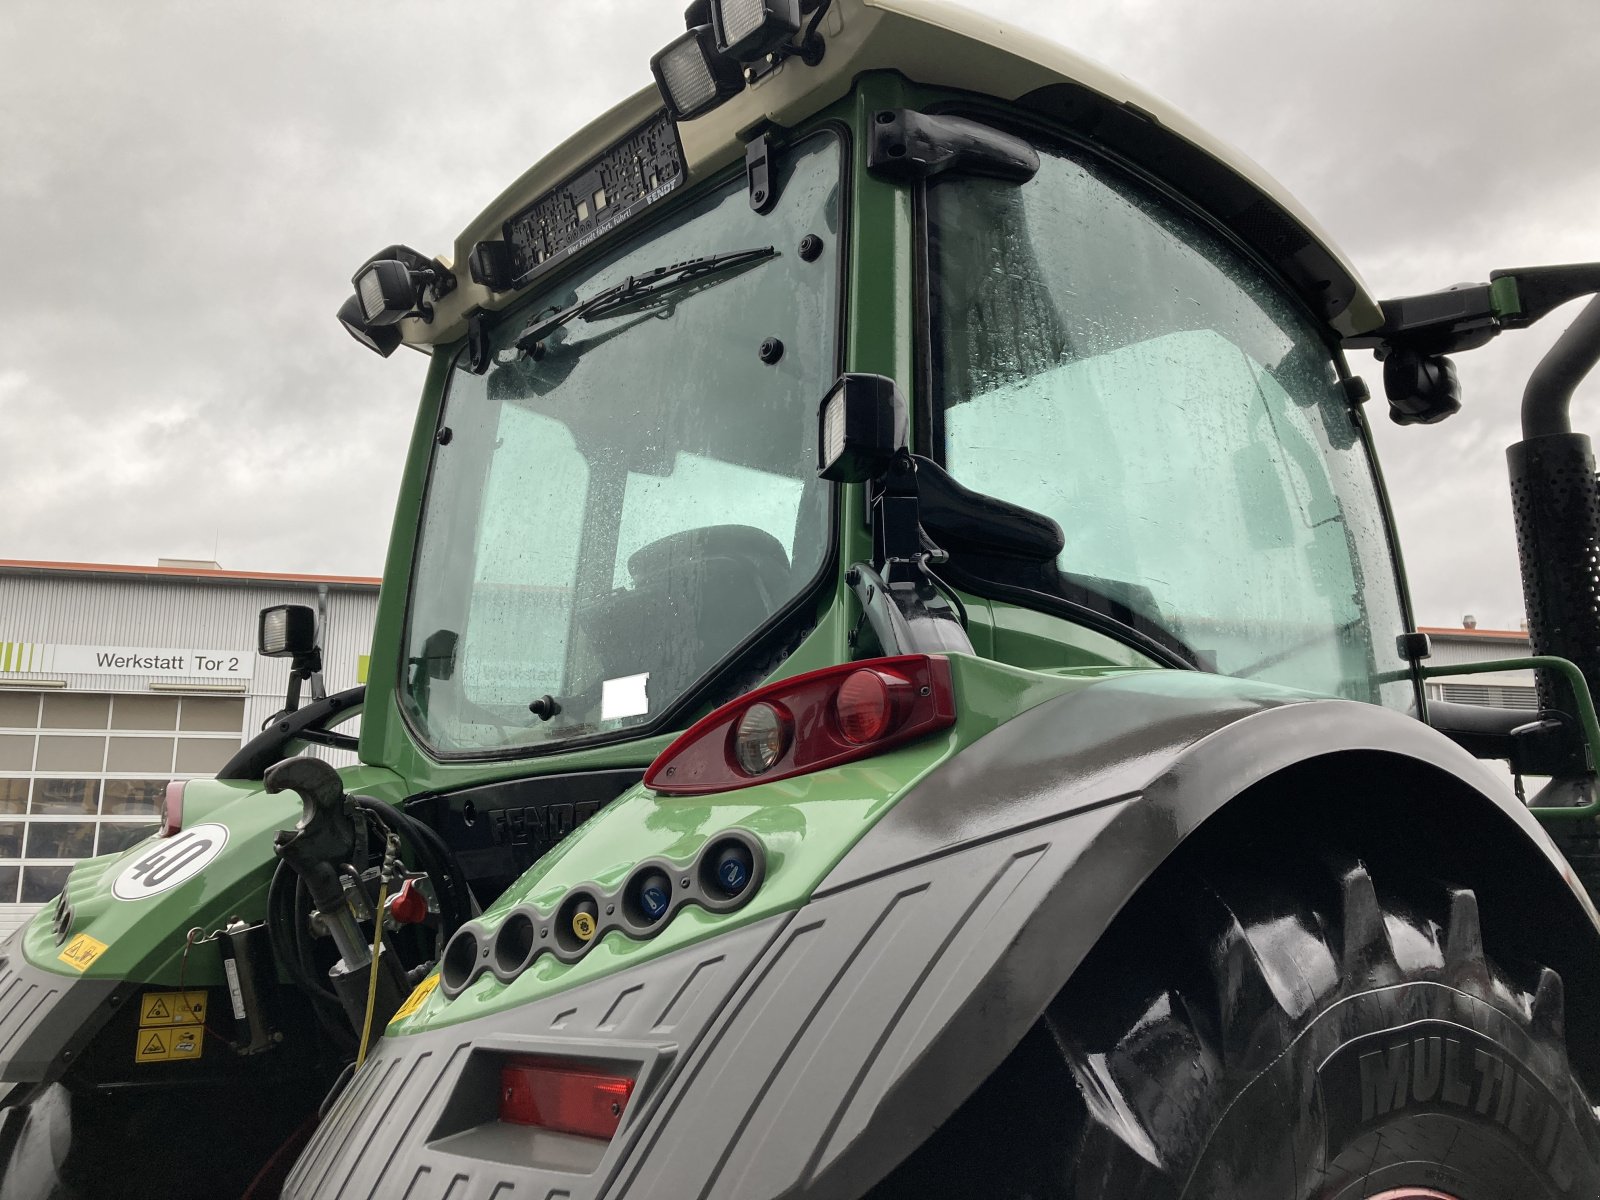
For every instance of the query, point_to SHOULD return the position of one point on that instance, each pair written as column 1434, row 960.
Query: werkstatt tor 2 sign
column 183, row 662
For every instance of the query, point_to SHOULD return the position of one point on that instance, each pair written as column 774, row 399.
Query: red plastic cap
column 562, row 1097
column 409, row 906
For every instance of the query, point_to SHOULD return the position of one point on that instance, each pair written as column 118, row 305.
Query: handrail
column 1587, row 717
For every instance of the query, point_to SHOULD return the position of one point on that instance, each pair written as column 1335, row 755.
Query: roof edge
column 19, row 566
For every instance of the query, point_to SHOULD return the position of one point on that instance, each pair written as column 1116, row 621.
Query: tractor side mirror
column 862, row 428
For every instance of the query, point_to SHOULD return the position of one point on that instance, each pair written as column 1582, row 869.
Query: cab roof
column 941, row 45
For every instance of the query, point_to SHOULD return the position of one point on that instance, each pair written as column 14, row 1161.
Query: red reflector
column 172, row 809
column 566, row 1099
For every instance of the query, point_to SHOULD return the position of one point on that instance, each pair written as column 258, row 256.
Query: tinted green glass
column 1105, row 358
column 610, row 517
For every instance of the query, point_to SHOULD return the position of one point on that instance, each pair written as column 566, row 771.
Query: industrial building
column 116, row 679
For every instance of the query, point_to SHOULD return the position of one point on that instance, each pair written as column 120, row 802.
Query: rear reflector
column 808, row 722
column 562, row 1097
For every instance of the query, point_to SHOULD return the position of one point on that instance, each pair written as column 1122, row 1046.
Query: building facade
column 116, row 679
column 1454, row 647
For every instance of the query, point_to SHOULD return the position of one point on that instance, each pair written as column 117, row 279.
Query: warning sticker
column 172, row 1008
column 165, row 1045
column 81, row 952
column 418, row 997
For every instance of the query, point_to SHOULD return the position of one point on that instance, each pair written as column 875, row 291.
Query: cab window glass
column 1105, row 358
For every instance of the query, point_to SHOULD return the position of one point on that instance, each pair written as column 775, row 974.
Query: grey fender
column 808, row 1054
column 939, row 939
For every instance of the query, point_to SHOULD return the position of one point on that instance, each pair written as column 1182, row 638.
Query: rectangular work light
column 748, row 29
column 387, row 290
column 863, row 426
column 287, row 630
column 381, row 339
column 693, row 77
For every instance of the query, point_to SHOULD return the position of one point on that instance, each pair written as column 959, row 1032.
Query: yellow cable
column 372, row 983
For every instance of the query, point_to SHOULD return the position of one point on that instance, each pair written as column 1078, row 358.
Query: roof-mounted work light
column 693, row 77
column 749, row 29
column 393, row 284
column 381, row 339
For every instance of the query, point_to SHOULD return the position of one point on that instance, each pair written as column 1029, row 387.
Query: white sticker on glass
column 624, row 697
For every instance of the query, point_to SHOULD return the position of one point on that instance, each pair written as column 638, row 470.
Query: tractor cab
column 893, row 679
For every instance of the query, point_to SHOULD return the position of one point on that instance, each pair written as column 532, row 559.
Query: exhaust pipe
column 1555, row 495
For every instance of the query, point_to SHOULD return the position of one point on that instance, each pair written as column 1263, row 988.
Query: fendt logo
column 1440, row 1066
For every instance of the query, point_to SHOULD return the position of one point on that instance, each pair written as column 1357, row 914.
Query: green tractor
column 893, row 679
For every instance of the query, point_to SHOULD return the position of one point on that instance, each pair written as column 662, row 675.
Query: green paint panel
column 145, row 938
column 806, row 825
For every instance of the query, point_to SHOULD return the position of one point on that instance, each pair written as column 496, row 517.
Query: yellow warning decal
column 166, row 1045
column 172, row 1008
column 81, row 952
column 419, row 995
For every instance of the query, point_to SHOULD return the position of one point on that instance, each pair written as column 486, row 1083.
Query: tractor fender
column 940, row 938
column 809, row 1053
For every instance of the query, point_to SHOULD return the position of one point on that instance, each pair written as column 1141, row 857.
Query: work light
column 287, row 630
column 381, row 339
column 862, row 428
column 693, row 77
column 748, row 29
column 387, row 290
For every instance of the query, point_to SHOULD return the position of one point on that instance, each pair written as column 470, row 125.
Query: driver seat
column 694, row 595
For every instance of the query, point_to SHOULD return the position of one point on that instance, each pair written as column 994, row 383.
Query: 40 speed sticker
column 170, row 862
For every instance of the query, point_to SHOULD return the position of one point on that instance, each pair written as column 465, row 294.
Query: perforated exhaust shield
column 1556, row 500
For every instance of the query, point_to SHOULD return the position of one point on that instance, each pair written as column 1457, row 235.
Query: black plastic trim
column 45, row 1017
column 305, row 724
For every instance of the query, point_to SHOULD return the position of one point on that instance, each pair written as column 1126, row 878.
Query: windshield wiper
column 637, row 288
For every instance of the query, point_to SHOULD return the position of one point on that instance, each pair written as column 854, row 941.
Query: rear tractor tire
column 1240, row 1037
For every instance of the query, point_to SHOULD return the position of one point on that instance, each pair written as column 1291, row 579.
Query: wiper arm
column 636, row 288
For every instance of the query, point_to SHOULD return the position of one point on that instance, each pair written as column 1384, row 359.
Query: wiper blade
column 637, row 288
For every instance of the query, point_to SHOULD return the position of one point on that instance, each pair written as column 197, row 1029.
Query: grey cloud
column 185, row 189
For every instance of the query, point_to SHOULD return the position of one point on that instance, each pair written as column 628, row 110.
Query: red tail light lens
column 172, row 810
column 825, row 718
column 869, row 704
column 562, row 1097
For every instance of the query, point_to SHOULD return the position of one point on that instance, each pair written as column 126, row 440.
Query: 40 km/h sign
column 170, row 862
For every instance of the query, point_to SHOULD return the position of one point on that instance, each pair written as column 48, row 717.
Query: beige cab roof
column 931, row 43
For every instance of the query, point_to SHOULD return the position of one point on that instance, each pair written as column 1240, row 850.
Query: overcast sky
column 186, row 188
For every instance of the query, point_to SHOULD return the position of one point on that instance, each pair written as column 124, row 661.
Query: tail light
column 562, row 1097
column 809, row 722
column 172, row 809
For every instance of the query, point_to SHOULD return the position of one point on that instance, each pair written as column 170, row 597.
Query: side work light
column 381, row 339
column 748, row 29
column 693, row 77
column 863, row 427
column 387, row 290
column 287, row 630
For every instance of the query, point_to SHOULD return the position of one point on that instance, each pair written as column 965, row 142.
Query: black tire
column 184, row 1143
column 1262, row 1033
